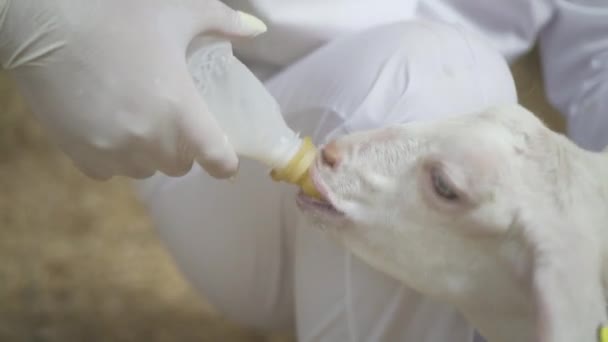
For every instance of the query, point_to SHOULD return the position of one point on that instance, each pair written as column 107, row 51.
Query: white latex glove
column 109, row 81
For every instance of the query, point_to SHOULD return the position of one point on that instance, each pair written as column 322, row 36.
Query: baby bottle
column 249, row 116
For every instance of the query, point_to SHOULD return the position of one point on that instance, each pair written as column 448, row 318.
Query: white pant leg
column 228, row 241
column 387, row 75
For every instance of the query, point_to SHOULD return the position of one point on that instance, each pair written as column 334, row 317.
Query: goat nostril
column 330, row 155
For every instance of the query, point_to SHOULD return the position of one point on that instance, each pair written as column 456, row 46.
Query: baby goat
column 491, row 212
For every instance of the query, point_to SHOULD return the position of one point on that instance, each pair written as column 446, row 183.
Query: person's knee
column 397, row 73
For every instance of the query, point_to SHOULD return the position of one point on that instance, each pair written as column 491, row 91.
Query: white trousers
column 243, row 245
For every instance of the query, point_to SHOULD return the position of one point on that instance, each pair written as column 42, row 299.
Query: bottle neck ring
column 296, row 170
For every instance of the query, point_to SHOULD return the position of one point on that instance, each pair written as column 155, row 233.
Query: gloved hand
column 110, row 83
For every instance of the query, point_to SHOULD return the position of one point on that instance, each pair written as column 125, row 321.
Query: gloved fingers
column 93, row 170
column 173, row 155
column 217, row 16
column 175, row 164
column 202, row 134
column 178, row 168
column 103, row 165
column 134, row 172
column 165, row 146
column 137, row 171
column 86, row 160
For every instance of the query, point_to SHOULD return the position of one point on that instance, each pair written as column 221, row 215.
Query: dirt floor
column 79, row 260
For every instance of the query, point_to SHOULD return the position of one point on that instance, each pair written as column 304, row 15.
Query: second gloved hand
column 109, row 80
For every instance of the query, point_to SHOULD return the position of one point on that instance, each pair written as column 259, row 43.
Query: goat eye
column 442, row 187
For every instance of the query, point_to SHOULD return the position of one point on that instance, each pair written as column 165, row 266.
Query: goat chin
column 491, row 212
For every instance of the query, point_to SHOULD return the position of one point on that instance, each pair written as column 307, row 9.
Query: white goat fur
column 521, row 251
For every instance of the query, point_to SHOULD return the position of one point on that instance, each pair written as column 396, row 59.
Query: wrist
column 4, row 4
column 28, row 32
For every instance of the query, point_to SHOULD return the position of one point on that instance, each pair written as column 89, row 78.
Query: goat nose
column 330, row 155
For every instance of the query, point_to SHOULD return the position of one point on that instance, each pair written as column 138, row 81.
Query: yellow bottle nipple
column 296, row 171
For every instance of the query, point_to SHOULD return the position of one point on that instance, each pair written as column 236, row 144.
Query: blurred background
column 80, row 261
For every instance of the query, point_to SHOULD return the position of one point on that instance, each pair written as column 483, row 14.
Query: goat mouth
column 322, row 205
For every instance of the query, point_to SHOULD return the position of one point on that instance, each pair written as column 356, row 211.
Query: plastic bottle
column 249, row 115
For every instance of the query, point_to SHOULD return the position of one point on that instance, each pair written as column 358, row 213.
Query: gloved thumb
column 203, row 136
column 228, row 22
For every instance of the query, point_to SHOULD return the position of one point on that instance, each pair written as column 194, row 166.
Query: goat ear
column 565, row 280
